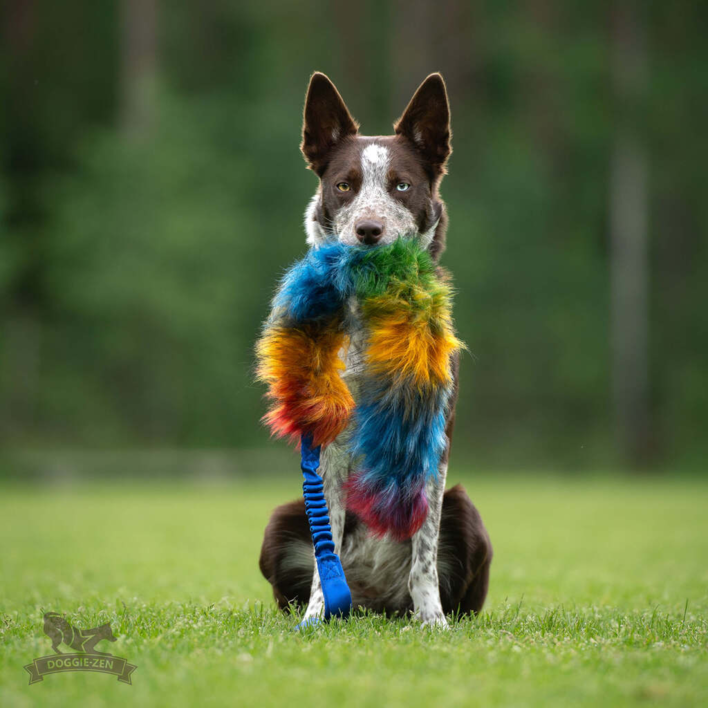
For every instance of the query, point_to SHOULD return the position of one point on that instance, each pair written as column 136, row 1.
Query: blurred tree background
column 151, row 192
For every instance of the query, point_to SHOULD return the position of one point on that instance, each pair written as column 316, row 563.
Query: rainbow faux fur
column 398, row 431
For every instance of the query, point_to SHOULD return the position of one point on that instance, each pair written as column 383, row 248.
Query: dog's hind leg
column 464, row 554
column 286, row 555
column 334, row 469
column 423, row 583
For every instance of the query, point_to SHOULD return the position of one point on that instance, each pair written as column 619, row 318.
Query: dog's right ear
column 327, row 122
column 426, row 122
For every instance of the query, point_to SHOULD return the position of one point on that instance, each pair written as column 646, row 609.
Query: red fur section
column 302, row 369
column 390, row 511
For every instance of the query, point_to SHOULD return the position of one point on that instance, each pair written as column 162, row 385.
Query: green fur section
column 400, row 277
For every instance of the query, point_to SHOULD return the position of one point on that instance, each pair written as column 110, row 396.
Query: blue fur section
column 312, row 289
column 400, row 434
column 317, row 286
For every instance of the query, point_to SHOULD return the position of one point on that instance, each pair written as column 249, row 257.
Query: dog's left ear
column 426, row 122
column 326, row 123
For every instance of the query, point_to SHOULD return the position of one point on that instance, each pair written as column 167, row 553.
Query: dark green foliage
column 135, row 269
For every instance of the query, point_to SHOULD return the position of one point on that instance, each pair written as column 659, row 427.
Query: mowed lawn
column 599, row 597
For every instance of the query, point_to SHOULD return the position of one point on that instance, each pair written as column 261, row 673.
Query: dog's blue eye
column 403, row 186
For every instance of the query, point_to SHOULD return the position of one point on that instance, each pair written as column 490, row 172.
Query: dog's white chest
column 337, row 461
column 354, row 355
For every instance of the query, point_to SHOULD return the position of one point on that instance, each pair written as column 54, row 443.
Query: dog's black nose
column 369, row 232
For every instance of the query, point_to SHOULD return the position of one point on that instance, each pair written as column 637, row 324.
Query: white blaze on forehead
column 375, row 161
column 375, row 153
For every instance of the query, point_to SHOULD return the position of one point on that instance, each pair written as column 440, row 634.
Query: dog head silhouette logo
column 86, row 656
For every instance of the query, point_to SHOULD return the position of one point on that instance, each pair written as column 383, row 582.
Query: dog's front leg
column 423, row 583
column 334, row 467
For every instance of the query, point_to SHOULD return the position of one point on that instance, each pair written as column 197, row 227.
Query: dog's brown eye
column 403, row 186
column 343, row 186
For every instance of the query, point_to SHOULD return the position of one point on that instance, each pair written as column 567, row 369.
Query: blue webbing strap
column 337, row 597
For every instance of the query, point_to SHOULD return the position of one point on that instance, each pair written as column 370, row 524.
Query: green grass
column 599, row 596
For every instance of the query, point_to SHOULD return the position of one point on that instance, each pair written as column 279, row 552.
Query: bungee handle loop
column 336, row 593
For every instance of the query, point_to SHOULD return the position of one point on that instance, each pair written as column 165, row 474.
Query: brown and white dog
column 371, row 190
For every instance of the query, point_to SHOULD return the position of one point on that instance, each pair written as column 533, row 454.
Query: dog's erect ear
column 327, row 122
column 426, row 122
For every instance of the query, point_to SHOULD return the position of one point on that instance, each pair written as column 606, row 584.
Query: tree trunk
column 138, row 66
column 426, row 37
column 20, row 310
column 540, row 87
column 629, row 240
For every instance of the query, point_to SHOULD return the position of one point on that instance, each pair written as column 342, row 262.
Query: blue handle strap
column 337, row 597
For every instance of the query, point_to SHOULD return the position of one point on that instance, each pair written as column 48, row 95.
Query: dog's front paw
column 436, row 620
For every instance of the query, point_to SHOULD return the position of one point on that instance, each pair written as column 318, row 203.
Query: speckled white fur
column 372, row 202
column 316, row 235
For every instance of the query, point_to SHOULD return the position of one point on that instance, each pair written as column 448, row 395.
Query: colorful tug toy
column 396, row 429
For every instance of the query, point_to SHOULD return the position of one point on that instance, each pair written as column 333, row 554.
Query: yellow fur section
column 405, row 343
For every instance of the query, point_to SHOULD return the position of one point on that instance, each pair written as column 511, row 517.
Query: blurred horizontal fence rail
column 207, row 466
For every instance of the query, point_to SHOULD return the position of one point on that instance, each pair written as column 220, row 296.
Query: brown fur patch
column 426, row 123
column 464, row 553
column 287, row 527
column 327, row 122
